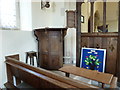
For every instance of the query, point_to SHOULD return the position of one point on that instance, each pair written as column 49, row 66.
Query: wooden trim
column 92, row 17
column 99, row 35
column 104, row 14
column 118, row 55
column 50, row 29
column 78, row 32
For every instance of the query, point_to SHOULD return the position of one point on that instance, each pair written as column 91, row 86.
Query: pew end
column 16, row 56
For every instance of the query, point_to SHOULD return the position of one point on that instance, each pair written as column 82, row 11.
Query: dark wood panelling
column 98, row 42
column 44, row 60
column 104, row 15
column 13, row 56
column 50, row 47
column 111, row 55
column 71, row 15
column 78, row 31
column 106, row 41
column 85, row 41
column 91, row 17
column 55, row 49
column 110, row 34
column 91, row 42
column 118, row 45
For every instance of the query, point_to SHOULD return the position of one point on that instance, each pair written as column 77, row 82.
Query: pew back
column 38, row 77
column 16, row 56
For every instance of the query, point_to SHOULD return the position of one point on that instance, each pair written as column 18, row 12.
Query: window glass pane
column 8, row 13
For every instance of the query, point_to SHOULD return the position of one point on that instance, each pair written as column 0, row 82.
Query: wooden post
column 78, row 31
column 104, row 14
column 92, row 17
column 118, row 50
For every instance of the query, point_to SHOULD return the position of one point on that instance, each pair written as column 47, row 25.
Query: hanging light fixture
column 45, row 4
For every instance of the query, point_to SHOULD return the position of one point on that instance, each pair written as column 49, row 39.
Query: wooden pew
column 38, row 77
column 16, row 56
column 104, row 78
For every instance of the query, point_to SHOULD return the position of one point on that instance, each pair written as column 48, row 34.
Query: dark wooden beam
column 104, row 14
column 78, row 31
column 118, row 58
column 92, row 17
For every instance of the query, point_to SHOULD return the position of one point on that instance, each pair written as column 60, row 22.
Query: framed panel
column 94, row 59
column 71, row 19
column 71, row 23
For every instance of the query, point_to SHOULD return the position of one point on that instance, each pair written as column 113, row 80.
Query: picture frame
column 92, row 58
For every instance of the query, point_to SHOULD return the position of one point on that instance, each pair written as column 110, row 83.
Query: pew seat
column 104, row 78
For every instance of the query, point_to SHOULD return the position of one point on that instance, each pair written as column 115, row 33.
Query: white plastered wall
column 55, row 17
column 48, row 17
column 15, row 42
column 1, row 70
column 25, row 15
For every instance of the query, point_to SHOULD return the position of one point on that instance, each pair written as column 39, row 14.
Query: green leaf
column 97, row 63
column 87, row 63
column 90, row 56
column 91, row 62
column 97, row 60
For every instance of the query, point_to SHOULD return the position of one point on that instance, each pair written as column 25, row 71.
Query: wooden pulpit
column 50, row 47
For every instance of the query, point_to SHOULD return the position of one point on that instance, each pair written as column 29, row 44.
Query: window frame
column 17, row 5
